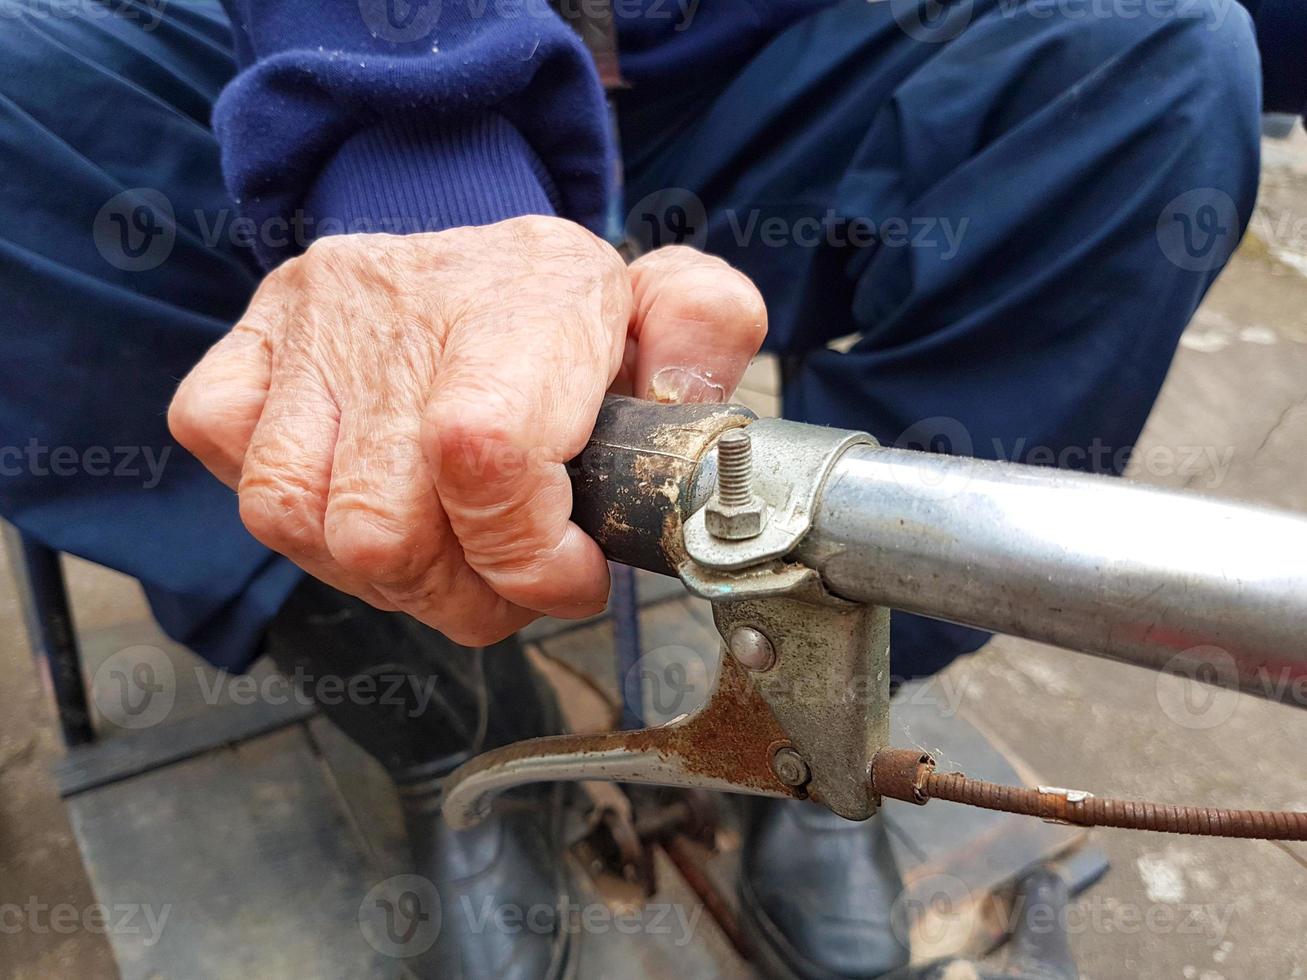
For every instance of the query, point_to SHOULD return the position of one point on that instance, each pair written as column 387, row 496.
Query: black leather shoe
column 816, row 892
column 500, row 889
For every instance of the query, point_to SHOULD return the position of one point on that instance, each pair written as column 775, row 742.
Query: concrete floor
column 1172, row 907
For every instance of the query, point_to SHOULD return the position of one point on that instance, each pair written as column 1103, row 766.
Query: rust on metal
column 900, row 774
column 908, row 774
column 631, row 485
column 728, row 739
column 680, row 850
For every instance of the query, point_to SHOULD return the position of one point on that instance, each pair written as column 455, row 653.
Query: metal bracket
column 790, row 464
column 827, row 683
column 826, row 675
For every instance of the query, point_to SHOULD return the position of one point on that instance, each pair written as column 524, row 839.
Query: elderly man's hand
column 395, row 412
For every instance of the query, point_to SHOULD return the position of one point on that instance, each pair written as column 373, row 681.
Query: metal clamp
column 785, row 468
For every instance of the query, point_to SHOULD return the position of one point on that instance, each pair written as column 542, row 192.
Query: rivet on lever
column 789, row 767
column 751, row 648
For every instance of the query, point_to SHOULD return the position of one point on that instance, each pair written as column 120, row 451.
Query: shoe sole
column 564, row 966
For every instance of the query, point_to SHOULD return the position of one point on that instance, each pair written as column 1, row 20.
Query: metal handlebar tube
column 634, row 483
column 1159, row 578
column 1164, row 579
column 1097, row 564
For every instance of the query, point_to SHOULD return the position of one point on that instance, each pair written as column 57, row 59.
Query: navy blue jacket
column 409, row 115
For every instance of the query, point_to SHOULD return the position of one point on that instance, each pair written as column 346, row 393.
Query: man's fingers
column 498, row 435
column 514, row 399
column 453, row 598
column 287, row 470
column 219, row 403
column 697, row 324
column 283, row 482
column 383, row 520
column 384, row 524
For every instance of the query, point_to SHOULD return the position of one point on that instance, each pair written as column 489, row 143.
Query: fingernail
column 674, row 385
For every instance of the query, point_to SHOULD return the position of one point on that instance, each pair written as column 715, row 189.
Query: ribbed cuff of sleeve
column 403, row 176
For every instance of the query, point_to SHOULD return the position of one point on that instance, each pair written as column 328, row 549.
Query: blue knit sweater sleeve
column 395, row 116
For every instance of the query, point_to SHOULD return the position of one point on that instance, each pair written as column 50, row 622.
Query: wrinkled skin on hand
column 395, row 411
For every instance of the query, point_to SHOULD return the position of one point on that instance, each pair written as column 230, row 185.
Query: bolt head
column 751, row 648
column 789, row 767
column 733, row 523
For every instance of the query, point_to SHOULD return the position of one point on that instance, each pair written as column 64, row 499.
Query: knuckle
column 541, row 226
column 206, row 420
column 287, row 277
column 328, row 248
column 374, row 546
column 473, row 436
column 547, row 235
column 280, row 514
column 334, row 256
column 432, row 249
column 186, row 418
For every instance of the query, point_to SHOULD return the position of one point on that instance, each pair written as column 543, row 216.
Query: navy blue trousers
column 978, row 233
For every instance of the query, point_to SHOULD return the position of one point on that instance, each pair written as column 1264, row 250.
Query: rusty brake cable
column 910, row 775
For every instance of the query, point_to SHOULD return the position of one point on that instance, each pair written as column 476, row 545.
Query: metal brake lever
column 800, row 704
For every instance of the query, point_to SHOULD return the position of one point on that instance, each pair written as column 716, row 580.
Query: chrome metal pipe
column 1164, row 579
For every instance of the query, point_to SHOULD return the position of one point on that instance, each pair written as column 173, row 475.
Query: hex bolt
column 735, row 512
column 751, row 648
column 735, row 468
column 789, row 767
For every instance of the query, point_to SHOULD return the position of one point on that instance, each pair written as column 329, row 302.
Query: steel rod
column 50, row 630
column 1164, row 579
